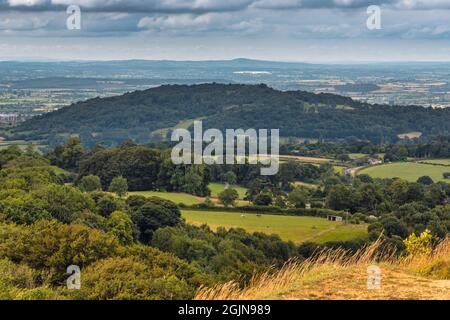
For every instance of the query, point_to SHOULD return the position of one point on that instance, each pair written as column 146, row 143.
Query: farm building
column 335, row 218
column 374, row 161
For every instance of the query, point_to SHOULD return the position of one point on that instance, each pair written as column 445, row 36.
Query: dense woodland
column 149, row 115
column 132, row 247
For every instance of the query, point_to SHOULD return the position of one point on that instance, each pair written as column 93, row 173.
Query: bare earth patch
column 352, row 284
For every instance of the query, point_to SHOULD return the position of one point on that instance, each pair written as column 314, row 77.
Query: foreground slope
column 334, row 275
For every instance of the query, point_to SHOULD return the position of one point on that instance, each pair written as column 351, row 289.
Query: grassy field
column 339, row 169
column 296, row 229
column 407, row 170
column 185, row 198
column 217, row 188
column 354, row 156
column 306, row 185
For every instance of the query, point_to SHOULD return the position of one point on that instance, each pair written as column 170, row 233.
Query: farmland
column 217, row 188
column 176, row 197
column 296, row 229
column 188, row 199
column 410, row 171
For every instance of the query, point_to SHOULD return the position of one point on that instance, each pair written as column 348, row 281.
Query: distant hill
column 151, row 114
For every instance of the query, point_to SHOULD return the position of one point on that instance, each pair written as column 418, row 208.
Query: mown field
column 217, row 188
column 296, row 229
column 189, row 199
column 410, row 171
column 176, row 197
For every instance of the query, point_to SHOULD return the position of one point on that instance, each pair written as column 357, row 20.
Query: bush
column 144, row 273
column 263, row 199
column 50, row 247
column 419, row 245
column 64, row 203
column 121, row 226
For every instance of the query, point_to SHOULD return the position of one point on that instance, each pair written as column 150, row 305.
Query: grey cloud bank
column 205, row 29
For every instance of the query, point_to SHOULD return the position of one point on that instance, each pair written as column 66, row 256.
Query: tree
column 263, row 199
column 68, row 155
column 369, row 196
column 138, row 164
column 425, row 180
column 90, row 183
column 228, row 197
column 298, row 197
column 365, row 178
column 119, row 186
column 152, row 216
column 230, row 177
column 279, row 202
column 341, row 198
column 394, row 227
column 343, row 157
column 106, row 205
column 121, row 226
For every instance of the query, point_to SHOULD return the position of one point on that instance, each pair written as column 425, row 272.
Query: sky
column 325, row 31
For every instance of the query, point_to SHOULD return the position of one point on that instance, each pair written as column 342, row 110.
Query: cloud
column 423, row 4
column 206, row 6
column 161, row 6
column 14, row 23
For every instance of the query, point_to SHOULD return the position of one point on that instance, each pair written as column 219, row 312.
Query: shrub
column 50, row 246
column 419, row 245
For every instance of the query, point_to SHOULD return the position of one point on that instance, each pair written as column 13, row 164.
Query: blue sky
column 286, row 30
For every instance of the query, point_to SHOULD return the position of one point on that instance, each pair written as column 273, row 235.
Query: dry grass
column 336, row 274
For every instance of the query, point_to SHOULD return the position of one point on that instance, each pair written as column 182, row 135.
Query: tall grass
column 295, row 271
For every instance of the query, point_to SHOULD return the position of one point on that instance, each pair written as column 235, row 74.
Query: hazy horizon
column 310, row 31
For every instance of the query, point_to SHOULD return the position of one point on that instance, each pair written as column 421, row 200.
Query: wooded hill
column 150, row 115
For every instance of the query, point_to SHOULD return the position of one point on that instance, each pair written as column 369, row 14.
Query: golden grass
column 336, row 274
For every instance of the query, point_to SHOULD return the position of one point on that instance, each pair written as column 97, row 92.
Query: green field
column 217, row 188
column 339, row 169
column 410, row 171
column 306, row 185
column 354, row 156
column 296, row 229
column 184, row 198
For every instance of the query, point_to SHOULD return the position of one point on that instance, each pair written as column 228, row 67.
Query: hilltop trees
column 298, row 114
